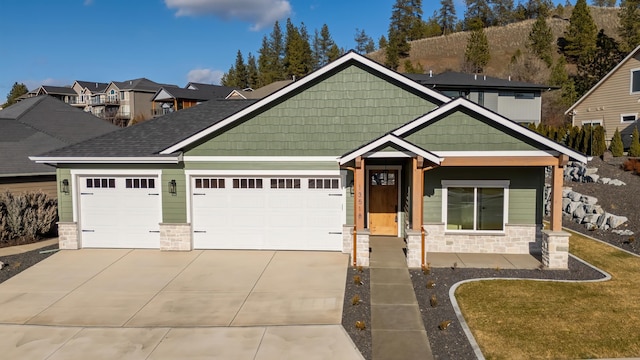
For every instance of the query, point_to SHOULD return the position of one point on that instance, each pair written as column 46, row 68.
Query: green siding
column 174, row 207
column 267, row 165
column 525, row 190
column 349, row 200
column 460, row 131
column 65, row 201
column 328, row 118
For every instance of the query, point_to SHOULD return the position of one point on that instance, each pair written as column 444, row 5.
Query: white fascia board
column 115, row 172
column 249, row 173
column 597, row 85
column 500, row 153
column 389, row 138
column 106, row 160
column 162, row 94
column 388, row 154
column 302, row 82
column 236, row 92
column 494, row 117
column 260, row 158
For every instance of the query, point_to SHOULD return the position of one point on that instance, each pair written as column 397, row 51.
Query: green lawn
column 551, row 320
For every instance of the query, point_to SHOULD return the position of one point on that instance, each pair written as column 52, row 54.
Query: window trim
column 631, row 72
column 622, row 121
column 591, row 122
column 504, row 184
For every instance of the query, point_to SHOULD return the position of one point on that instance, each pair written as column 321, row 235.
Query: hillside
column 447, row 52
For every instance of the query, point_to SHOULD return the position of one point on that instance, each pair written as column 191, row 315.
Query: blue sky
column 55, row 42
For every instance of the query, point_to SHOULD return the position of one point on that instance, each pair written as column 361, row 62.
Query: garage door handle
column 154, row 231
column 199, row 231
column 194, row 194
column 154, row 194
column 86, row 193
column 335, row 194
column 335, row 232
column 88, row 231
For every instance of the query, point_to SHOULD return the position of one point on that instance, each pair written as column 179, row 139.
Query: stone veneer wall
column 362, row 245
column 555, row 249
column 68, row 236
column 175, row 237
column 517, row 239
column 414, row 244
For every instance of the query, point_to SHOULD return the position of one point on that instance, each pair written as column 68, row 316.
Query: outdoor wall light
column 173, row 188
column 64, row 186
column 351, row 191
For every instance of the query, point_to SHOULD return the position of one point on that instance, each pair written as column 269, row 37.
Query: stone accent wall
column 175, row 237
column 517, row 239
column 414, row 244
column 555, row 249
column 347, row 239
column 362, row 245
column 68, row 236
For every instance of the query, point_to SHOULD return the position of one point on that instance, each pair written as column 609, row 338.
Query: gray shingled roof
column 141, row 84
column 219, row 91
column 148, row 138
column 452, row 79
column 198, row 95
column 58, row 90
column 93, row 86
column 40, row 124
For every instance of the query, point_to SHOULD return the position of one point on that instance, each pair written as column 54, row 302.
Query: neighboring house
column 516, row 100
column 87, row 90
column 65, row 94
column 260, row 92
column 126, row 102
column 35, row 125
column 169, row 99
column 353, row 146
column 614, row 102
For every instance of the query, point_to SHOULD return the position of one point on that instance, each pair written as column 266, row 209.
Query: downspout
column 355, row 227
column 422, row 231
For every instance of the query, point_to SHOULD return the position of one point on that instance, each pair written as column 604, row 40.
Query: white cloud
column 205, row 76
column 260, row 13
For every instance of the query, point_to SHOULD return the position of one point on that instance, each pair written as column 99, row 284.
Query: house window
column 635, row 81
column 247, row 183
column 475, row 205
column 285, row 183
column 525, row 95
column 206, row 183
column 121, row 95
column 324, row 184
column 383, row 177
column 627, row 118
column 140, row 183
column 101, row 183
column 592, row 122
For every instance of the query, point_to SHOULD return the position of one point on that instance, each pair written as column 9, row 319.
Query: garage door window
column 205, row 183
column 285, row 183
column 247, row 183
column 324, row 184
column 97, row 183
column 140, row 183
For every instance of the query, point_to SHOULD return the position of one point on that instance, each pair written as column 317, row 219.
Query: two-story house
column 169, row 99
column 516, row 100
column 614, row 102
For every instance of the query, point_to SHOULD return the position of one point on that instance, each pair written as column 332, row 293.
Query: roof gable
column 477, row 129
column 385, row 142
column 595, row 87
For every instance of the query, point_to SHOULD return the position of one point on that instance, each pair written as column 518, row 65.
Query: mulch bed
column 360, row 312
column 15, row 264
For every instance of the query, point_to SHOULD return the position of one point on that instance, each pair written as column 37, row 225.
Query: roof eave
column 54, row 160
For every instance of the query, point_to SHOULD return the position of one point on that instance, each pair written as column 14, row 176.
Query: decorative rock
column 625, row 232
column 591, row 178
column 602, row 220
column 1, row 265
column 605, row 180
column 614, row 221
column 590, row 226
column 565, row 191
column 590, row 171
column 571, row 208
column 565, row 202
column 579, row 212
column 617, row 182
column 590, row 219
column 574, row 196
column 589, row 200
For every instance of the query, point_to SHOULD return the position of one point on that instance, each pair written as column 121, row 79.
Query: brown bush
column 30, row 215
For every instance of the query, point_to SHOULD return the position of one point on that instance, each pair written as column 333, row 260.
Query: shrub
column 616, row 147
column 30, row 215
column 599, row 145
column 634, row 149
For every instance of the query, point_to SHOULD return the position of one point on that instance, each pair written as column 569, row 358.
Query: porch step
column 396, row 324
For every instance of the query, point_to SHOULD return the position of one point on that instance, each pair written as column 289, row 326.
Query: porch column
column 556, row 193
column 358, row 199
column 417, row 194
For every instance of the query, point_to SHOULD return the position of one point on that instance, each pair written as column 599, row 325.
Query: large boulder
column 589, row 200
column 614, row 221
column 571, row 208
column 575, row 196
column 590, row 219
column 591, row 178
column 579, row 213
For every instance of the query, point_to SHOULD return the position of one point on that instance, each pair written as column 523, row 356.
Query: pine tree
column 616, row 147
column 580, row 36
column 604, row 3
column 503, row 12
column 382, row 42
column 410, row 69
column 252, row 72
column 447, row 17
column 364, row 42
column 540, row 40
column 478, row 14
column 406, row 25
column 634, row 149
column 297, row 58
column 629, row 29
column 17, row 90
column 334, row 53
column 559, row 75
column 568, row 93
column 242, row 77
column 323, row 46
column 271, row 59
column 595, row 64
column 599, row 145
column 477, row 54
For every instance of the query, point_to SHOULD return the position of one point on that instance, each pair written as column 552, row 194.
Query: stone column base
column 362, row 247
column 68, row 238
column 555, row 249
column 347, row 239
column 175, row 237
column 414, row 251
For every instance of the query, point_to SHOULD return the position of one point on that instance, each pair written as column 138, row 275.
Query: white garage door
column 120, row 212
column 280, row 213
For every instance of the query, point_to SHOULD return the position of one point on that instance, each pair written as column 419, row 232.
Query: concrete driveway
column 146, row 304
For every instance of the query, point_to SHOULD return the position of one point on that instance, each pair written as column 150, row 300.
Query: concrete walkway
column 396, row 324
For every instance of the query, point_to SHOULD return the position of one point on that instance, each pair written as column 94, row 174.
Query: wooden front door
column 383, row 202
